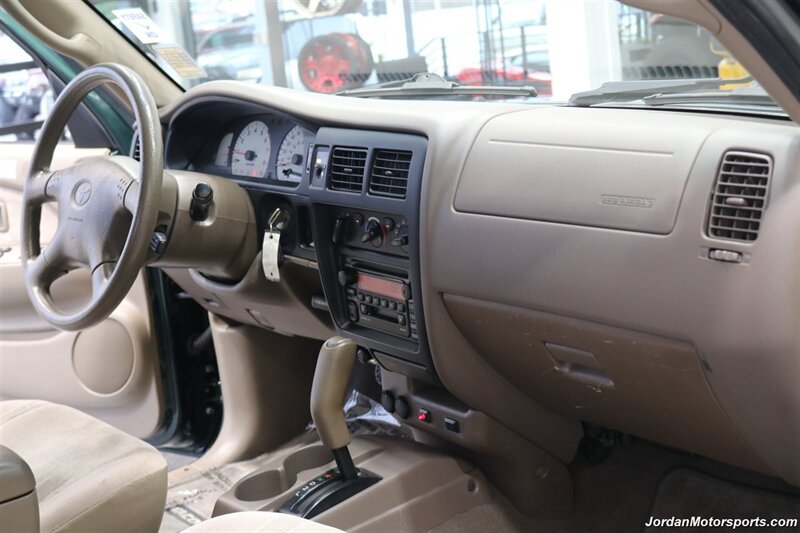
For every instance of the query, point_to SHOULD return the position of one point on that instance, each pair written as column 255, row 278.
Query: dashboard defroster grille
column 740, row 196
column 347, row 169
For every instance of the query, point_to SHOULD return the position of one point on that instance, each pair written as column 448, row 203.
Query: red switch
column 424, row 415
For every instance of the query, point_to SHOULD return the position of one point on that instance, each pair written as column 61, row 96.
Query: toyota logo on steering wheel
column 82, row 193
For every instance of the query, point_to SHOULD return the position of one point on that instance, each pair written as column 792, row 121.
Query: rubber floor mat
column 688, row 494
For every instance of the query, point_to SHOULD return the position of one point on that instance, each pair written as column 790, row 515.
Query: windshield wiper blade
column 429, row 84
column 751, row 96
column 627, row 91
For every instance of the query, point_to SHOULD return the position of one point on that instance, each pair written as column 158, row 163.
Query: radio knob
column 345, row 278
column 373, row 234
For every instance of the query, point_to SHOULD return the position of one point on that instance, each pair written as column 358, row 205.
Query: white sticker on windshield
column 141, row 25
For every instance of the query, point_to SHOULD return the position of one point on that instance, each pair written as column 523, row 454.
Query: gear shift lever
column 331, row 376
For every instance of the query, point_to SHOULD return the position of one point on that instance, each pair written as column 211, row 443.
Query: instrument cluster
column 265, row 148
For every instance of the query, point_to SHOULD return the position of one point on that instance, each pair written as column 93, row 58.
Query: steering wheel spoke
column 41, row 273
column 100, row 278
column 41, row 187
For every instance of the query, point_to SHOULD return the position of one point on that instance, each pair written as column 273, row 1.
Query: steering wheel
column 107, row 206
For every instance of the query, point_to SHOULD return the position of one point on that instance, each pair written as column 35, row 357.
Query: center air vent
column 347, row 169
column 389, row 174
column 740, row 196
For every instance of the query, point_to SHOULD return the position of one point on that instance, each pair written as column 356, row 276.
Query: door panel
column 109, row 371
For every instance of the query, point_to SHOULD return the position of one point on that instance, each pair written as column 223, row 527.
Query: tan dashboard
column 636, row 269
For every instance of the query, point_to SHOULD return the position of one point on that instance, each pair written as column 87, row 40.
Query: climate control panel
column 371, row 231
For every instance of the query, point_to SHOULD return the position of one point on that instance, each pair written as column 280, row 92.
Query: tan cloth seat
column 90, row 476
column 260, row 522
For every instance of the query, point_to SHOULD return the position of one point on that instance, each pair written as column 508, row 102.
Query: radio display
column 383, row 287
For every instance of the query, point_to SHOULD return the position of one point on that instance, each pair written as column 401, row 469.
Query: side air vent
column 347, row 169
column 389, row 174
column 136, row 149
column 740, row 196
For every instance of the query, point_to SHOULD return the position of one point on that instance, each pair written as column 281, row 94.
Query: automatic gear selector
column 334, row 365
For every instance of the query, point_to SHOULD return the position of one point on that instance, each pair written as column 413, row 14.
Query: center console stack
column 364, row 191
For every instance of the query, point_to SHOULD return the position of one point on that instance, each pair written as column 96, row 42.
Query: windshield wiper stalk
column 429, row 84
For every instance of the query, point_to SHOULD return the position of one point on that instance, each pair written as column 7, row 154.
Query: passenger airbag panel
column 559, row 172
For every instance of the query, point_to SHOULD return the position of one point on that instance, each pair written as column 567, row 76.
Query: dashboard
column 535, row 267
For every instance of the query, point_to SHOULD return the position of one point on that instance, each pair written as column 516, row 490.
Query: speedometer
column 250, row 155
column 292, row 154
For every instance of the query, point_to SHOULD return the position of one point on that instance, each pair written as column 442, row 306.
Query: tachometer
column 223, row 151
column 292, row 154
column 250, row 155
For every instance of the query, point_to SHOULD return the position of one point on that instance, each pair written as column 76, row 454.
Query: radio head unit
column 381, row 302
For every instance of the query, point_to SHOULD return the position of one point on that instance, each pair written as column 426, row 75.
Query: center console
column 364, row 191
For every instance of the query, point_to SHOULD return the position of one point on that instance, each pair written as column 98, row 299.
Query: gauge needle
column 249, row 155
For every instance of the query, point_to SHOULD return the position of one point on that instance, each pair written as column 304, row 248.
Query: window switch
column 451, row 424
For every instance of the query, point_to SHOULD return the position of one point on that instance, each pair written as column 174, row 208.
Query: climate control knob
column 373, row 233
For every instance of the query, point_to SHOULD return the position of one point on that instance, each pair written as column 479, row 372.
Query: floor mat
column 685, row 493
column 617, row 495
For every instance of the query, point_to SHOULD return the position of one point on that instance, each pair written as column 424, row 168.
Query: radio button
column 401, row 307
column 361, row 297
column 392, row 305
column 401, row 319
column 384, row 302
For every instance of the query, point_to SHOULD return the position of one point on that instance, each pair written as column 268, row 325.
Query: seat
column 260, row 522
column 89, row 475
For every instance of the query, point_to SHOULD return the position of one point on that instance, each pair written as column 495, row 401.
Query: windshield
column 558, row 47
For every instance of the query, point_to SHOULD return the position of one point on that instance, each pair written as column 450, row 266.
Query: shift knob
column 334, row 365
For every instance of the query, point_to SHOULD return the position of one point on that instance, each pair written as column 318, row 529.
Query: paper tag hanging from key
column 270, row 252
column 271, row 246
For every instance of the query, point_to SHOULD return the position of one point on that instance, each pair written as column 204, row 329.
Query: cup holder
column 270, row 483
column 260, row 486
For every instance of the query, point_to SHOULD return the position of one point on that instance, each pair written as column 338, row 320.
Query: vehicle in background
column 531, row 67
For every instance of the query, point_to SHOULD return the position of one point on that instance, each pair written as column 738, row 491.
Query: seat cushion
column 260, row 522
column 89, row 475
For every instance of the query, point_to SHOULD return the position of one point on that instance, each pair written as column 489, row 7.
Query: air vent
column 389, row 174
column 740, row 196
column 136, row 148
column 347, row 169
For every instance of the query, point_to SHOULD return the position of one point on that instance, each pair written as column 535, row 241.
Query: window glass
column 25, row 93
column 560, row 47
